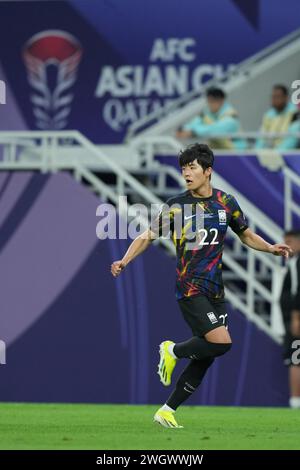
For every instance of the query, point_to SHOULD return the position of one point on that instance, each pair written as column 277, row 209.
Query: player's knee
column 221, row 348
column 209, row 361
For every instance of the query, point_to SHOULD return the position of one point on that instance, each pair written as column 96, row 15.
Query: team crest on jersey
column 212, row 317
column 222, row 217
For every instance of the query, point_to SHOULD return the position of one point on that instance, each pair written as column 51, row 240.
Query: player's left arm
column 256, row 242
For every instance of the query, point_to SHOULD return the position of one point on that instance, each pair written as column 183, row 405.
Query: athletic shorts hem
column 203, row 315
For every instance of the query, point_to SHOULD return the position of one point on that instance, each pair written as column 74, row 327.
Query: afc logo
column 52, row 59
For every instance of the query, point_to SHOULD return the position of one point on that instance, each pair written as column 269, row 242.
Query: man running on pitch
column 206, row 213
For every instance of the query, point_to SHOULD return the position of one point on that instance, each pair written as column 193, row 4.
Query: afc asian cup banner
column 131, row 92
column 100, row 66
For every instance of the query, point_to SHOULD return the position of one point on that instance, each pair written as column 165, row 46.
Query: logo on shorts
column 212, row 317
column 222, row 217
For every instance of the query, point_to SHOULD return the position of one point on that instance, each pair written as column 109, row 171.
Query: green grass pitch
column 107, row 427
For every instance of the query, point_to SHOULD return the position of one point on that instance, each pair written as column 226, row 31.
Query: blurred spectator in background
column 218, row 118
column 283, row 116
column 290, row 306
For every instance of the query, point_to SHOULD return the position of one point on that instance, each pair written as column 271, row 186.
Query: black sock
column 189, row 380
column 199, row 348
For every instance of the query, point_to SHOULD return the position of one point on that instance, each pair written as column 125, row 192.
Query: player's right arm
column 137, row 247
column 162, row 222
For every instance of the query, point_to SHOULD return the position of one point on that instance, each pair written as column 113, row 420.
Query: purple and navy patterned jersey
column 199, row 258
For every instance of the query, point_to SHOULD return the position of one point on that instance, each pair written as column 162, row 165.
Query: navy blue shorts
column 203, row 314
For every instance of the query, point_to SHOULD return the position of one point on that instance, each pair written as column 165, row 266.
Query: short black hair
column 293, row 233
column 216, row 93
column 200, row 152
column 282, row 88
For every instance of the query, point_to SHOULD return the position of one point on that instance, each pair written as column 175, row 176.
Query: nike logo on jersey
column 206, row 216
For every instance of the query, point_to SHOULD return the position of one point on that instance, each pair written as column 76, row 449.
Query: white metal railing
column 163, row 143
column 290, row 205
column 241, row 69
column 45, row 147
column 109, row 194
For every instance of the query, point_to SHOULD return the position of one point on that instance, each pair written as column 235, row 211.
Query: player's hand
column 280, row 249
column 117, row 267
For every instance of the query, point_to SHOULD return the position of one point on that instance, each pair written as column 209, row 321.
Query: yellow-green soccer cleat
column 166, row 364
column 166, row 419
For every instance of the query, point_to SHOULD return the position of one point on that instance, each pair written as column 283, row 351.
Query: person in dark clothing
column 197, row 221
column 290, row 306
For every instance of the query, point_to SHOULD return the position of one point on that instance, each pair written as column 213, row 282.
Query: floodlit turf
column 47, row 426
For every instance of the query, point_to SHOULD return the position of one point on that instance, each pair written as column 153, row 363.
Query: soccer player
column 199, row 285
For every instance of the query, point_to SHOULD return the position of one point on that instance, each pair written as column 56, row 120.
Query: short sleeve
column 238, row 222
column 163, row 222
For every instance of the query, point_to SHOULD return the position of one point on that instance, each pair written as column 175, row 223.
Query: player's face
column 194, row 175
column 293, row 242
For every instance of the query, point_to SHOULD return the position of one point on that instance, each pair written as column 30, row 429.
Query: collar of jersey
column 199, row 199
